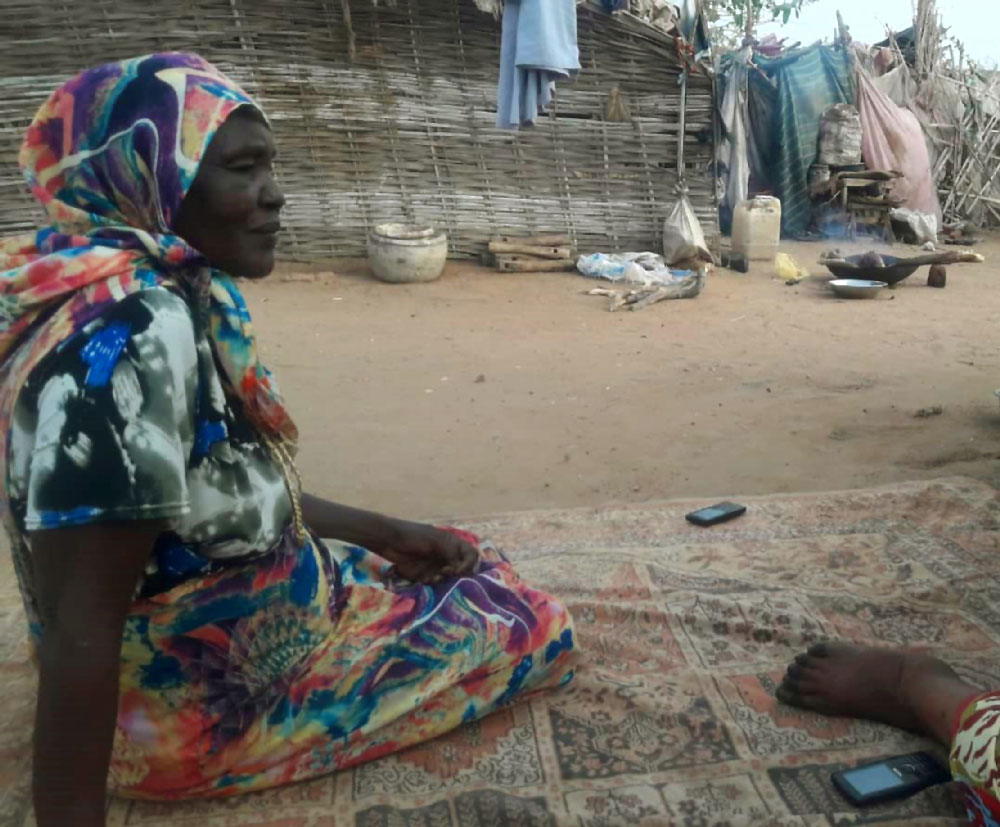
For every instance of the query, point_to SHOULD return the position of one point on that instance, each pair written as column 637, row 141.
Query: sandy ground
column 485, row 392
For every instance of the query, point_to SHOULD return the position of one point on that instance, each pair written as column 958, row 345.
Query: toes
column 802, row 666
column 794, row 672
column 809, row 701
column 820, row 650
column 790, row 684
column 787, row 695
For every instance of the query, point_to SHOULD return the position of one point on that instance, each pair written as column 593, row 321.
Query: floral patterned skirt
column 316, row 658
column 975, row 758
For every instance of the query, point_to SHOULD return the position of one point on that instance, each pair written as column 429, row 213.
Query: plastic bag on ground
column 647, row 269
column 923, row 225
column 788, row 269
column 683, row 239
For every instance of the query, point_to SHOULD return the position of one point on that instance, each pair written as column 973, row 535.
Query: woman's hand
column 419, row 552
column 425, row 554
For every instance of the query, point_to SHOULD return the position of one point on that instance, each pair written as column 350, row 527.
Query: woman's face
column 231, row 214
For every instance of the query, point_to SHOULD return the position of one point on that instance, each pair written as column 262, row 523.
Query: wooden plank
column 500, row 247
column 534, row 240
column 519, row 264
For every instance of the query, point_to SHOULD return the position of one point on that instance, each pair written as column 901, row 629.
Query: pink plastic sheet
column 892, row 139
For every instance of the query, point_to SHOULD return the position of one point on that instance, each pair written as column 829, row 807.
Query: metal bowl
column 857, row 288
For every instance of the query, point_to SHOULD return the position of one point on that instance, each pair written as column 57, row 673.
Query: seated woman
column 195, row 636
column 913, row 692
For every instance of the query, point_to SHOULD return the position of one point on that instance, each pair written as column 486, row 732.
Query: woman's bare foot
column 907, row 691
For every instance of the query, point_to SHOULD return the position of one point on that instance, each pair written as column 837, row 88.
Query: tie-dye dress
column 130, row 389
column 249, row 659
column 975, row 757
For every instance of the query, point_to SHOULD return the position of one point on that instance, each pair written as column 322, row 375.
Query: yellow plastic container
column 757, row 228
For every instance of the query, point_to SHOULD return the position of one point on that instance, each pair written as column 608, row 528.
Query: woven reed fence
column 404, row 129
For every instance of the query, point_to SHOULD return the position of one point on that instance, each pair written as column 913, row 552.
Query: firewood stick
column 654, row 297
column 501, row 247
column 642, row 297
column 522, row 257
column 687, row 289
column 520, row 264
column 534, row 240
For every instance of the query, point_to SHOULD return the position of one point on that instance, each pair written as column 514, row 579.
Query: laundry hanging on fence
column 538, row 47
column 732, row 148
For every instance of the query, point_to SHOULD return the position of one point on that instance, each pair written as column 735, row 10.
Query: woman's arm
column 85, row 578
column 352, row 525
column 420, row 552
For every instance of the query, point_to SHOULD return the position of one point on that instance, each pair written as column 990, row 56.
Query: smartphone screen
column 718, row 513
column 890, row 778
column 877, row 778
column 712, row 513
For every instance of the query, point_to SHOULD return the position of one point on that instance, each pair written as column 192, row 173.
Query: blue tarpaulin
column 808, row 82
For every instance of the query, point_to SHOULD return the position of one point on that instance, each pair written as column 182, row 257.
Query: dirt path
column 486, row 392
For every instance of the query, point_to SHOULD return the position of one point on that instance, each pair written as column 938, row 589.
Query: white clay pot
column 404, row 253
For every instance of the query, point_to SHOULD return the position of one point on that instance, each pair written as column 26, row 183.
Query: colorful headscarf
column 111, row 155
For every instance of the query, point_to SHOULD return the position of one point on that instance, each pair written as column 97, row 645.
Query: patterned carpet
column 671, row 720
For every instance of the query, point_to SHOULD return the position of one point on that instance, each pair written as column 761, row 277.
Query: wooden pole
column 681, row 178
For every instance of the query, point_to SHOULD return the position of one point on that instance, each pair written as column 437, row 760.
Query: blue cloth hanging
column 538, row 47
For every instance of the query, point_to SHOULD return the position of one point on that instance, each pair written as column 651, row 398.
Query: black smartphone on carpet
column 715, row 514
column 890, row 778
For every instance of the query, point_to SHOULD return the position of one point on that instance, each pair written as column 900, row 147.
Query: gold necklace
column 293, row 482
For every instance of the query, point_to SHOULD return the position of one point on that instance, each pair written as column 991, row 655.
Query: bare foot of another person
column 908, row 691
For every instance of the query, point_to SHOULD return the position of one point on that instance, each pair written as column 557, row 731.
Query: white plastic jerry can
column 757, row 228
